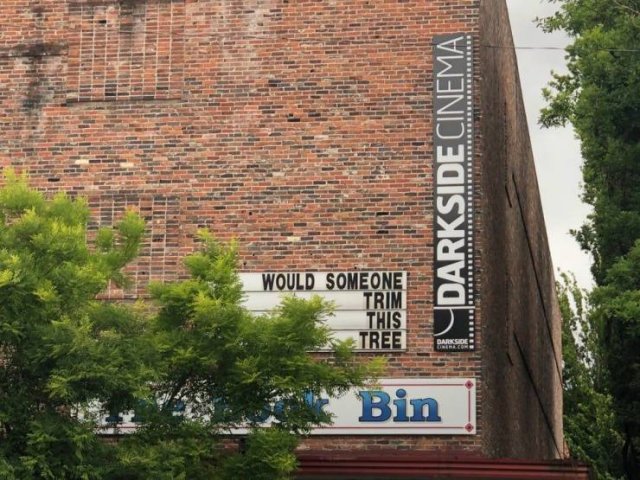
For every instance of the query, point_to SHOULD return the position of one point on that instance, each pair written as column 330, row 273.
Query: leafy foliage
column 64, row 355
column 233, row 368
column 58, row 346
column 617, row 309
column 589, row 421
column 599, row 97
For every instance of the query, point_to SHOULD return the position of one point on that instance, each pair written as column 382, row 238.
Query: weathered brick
column 303, row 130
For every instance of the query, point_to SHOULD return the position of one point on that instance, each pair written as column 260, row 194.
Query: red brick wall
column 125, row 50
column 301, row 128
column 522, row 352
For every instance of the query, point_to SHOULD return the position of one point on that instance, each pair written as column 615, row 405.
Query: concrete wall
column 521, row 321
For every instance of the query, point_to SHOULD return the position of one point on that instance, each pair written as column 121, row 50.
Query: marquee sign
column 371, row 306
column 398, row 406
column 453, row 316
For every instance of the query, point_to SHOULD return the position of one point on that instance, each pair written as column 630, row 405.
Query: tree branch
column 626, row 7
column 175, row 391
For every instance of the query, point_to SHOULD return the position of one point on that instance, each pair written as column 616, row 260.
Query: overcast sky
column 556, row 151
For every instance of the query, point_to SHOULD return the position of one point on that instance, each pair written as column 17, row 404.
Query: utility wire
column 11, row 53
column 628, row 50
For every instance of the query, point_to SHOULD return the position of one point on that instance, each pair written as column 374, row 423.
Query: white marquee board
column 370, row 306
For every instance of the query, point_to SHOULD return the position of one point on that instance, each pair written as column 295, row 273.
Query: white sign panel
column 370, row 305
column 399, row 406
column 405, row 406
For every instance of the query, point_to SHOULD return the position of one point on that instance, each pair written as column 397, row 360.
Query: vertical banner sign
column 453, row 316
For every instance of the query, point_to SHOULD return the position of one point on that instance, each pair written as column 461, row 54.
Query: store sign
column 399, row 406
column 453, row 317
column 370, row 306
column 405, row 406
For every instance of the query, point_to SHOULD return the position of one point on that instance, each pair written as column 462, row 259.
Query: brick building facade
column 304, row 129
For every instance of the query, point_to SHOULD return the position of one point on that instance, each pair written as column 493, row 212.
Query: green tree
column 232, row 368
column 617, row 312
column 67, row 360
column 589, row 421
column 599, row 97
column 59, row 347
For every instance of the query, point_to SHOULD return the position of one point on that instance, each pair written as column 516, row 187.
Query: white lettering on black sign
column 370, row 306
column 454, row 322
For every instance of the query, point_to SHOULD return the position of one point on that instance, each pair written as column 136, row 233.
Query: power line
column 507, row 47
